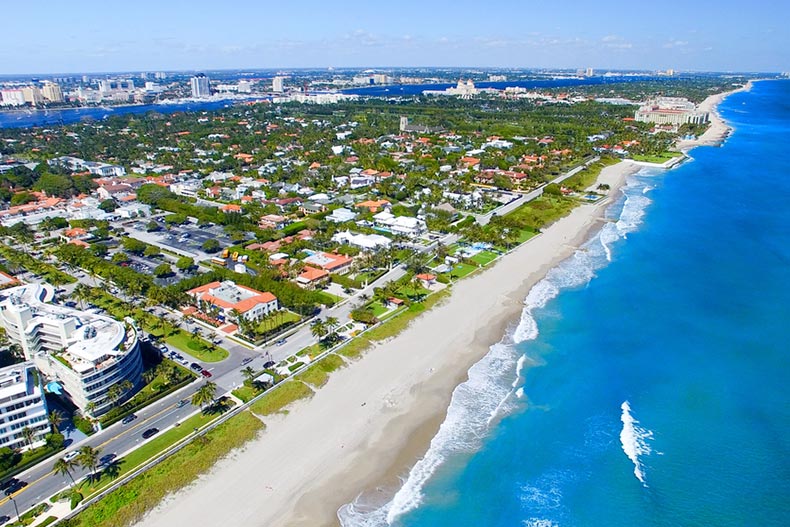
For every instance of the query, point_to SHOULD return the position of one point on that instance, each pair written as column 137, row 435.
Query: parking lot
column 187, row 238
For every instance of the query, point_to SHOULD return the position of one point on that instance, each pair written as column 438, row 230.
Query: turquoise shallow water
column 647, row 381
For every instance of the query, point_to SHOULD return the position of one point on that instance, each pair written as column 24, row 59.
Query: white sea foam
column 634, row 440
column 487, row 394
column 539, row 522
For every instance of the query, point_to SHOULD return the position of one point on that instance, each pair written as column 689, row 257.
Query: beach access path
column 374, row 418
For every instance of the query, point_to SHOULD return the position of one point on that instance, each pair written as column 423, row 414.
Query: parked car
column 150, row 433
column 195, row 366
column 206, row 373
column 4, row 519
column 128, row 419
column 268, row 364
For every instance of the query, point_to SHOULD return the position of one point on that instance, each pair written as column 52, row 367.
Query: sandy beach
column 718, row 130
column 373, row 419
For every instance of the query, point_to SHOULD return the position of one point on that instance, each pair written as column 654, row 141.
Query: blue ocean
column 647, row 381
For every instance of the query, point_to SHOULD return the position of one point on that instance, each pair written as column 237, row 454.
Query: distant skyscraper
column 52, row 92
column 200, row 86
column 277, row 84
column 589, row 72
column 245, row 86
column 32, row 95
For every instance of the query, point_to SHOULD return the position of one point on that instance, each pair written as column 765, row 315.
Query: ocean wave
column 487, row 394
column 634, row 440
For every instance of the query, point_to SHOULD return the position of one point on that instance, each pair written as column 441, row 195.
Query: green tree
column 99, row 249
column 249, row 374
column 64, row 467
column 211, row 245
column 133, row 245
column 204, row 395
column 108, row 205
column 55, row 420
column 151, row 251
column 88, row 458
column 28, row 433
column 185, row 263
column 318, row 329
column 163, row 270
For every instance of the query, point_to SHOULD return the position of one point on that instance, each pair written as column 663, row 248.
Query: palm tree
column 88, row 458
column 126, row 386
column 28, row 433
column 81, row 293
column 332, row 324
column 249, row 374
column 64, row 467
column 318, row 329
column 114, row 393
column 172, row 374
column 90, row 408
column 204, row 394
column 55, row 419
column 149, row 375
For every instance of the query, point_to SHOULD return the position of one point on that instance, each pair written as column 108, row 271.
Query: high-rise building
column 589, row 72
column 84, row 353
column 245, row 86
column 12, row 97
column 201, row 86
column 23, row 406
column 32, row 95
column 52, row 92
column 277, row 84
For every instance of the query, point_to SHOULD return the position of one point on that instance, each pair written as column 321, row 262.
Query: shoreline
column 310, row 462
column 719, row 130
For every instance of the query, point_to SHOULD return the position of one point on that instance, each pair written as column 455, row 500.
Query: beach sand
column 375, row 418
column 718, row 130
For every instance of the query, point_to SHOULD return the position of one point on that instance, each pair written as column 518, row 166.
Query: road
column 484, row 219
column 119, row 439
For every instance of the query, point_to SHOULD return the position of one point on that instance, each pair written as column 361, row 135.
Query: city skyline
column 245, row 35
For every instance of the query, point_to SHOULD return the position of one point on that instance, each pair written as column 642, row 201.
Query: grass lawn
column 524, row 235
column 484, row 258
column 149, row 450
column 311, row 350
column 318, row 373
column 282, row 317
column 197, row 347
column 461, row 270
column 586, row 177
column 377, row 308
column 130, row 502
column 663, row 157
column 285, row 394
column 245, row 393
column 410, row 291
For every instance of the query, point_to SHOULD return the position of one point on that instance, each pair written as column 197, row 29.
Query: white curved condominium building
column 85, row 353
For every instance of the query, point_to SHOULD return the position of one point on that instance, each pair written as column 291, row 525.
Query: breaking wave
column 490, row 390
column 634, row 440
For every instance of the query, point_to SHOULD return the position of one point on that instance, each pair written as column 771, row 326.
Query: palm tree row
column 87, row 458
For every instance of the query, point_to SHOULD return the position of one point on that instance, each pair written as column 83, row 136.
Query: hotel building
column 86, row 354
column 676, row 111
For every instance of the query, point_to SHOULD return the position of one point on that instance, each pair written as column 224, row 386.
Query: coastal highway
column 119, row 439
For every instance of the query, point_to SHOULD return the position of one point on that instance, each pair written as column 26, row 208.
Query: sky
column 148, row 35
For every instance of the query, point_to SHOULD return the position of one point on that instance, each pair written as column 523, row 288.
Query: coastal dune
column 373, row 420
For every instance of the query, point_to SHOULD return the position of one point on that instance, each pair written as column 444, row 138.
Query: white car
column 71, row 455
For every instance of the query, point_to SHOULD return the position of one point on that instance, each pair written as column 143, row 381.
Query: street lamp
column 11, row 497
